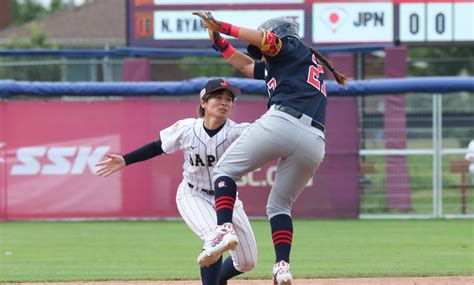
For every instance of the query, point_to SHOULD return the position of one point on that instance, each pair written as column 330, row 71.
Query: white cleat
column 225, row 239
column 282, row 273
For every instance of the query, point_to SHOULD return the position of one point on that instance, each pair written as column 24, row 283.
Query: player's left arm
column 236, row 58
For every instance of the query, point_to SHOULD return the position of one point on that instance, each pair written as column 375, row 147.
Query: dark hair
column 340, row 78
column 209, row 96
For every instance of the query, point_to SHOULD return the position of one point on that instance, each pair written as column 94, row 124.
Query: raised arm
column 250, row 36
column 237, row 59
column 264, row 40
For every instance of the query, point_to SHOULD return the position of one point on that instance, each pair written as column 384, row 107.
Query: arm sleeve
column 259, row 70
column 144, row 153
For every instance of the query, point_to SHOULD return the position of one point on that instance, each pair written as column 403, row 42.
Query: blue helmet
column 281, row 26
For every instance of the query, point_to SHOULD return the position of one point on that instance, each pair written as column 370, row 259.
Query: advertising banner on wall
column 341, row 22
column 217, row 2
column 182, row 25
column 164, row 23
column 3, row 164
column 49, row 151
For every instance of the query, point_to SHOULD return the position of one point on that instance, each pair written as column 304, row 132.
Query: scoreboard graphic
column 166, row 23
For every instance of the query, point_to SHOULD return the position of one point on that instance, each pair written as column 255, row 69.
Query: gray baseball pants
column 299, row 147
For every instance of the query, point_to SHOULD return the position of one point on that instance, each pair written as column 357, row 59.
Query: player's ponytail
column 340, row 78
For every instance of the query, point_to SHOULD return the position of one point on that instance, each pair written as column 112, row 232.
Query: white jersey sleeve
column 237, row 130
column 172, row 138
column 470, row 150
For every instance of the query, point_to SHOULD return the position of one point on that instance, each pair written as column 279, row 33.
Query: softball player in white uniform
column 203, row 142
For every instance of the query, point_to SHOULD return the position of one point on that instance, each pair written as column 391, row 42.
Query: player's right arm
column 171, row 140
column 250, row 36
column 116, row 162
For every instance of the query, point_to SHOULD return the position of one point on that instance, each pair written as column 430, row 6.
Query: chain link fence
column 433, row 178
column 433, row 181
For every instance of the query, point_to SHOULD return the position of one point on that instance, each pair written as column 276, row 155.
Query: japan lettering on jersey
column 295, row 78
column 201, row 152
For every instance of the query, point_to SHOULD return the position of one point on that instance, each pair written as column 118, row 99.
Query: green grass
column 125, row 250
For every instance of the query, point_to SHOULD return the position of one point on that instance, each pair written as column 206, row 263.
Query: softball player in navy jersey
column 291, row 130
column 203, row 142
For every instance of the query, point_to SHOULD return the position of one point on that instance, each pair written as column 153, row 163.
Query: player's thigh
column 197, row 211
column 293, row 173
column 263, row 141
column 245, row 254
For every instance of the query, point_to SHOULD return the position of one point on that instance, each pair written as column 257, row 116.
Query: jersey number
column 313, row 76
column 271, row 85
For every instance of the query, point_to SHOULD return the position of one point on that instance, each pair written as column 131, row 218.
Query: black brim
column 254, row 52
column 234, row 90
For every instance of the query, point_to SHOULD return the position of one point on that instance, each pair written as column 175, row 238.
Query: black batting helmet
column 281, row 26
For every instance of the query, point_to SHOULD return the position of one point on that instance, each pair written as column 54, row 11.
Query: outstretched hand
column 209, row 21
column 113, row 164
column 217, row 42
column 213, row 36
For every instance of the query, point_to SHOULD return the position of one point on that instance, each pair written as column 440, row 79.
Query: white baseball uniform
column 469, row 156
column 195, row 204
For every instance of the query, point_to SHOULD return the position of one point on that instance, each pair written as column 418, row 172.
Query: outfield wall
column 49, row 148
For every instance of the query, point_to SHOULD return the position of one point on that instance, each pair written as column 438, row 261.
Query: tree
column 441, row 61
column 24, row 11
column 57, row 5
column 43, row 72
column 27, row 11
column 197, row 66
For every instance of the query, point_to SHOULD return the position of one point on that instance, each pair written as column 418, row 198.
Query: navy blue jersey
column 295, row 79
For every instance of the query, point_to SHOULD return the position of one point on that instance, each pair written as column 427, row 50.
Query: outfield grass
column 124, row 250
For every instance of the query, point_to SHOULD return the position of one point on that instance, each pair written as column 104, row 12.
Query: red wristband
column 228, row 52
column 234, row 31
column 229, row 29
column 224, row 28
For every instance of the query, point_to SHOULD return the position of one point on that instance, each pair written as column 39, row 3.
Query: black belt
column 298, row 115
column 210, row 192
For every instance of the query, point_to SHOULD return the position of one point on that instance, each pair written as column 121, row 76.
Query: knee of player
column 247, row 265
column 224, row 180
column 273, row 210
column 217, row 174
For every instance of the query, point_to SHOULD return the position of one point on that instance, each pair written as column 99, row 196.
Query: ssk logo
column 57, row 160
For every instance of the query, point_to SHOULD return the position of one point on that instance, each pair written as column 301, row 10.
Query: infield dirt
column 452, row 280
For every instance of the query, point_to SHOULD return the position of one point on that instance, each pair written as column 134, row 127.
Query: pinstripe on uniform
column 196, row 207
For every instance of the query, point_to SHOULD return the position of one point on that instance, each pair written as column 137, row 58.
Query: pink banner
column 395, row 127
column 3, row 165
column 48, row 150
